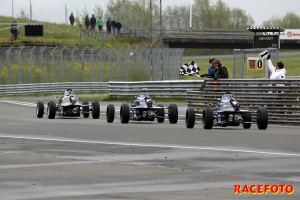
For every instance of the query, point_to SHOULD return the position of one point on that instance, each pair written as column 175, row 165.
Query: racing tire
column 208, row 118
column 95, row 109
column 161, row 114
column 40, row 109
column 51, row 110
column 247, row 118
column 190, row 118
column 124, row 113
column 110, row 113
column 262, row 118
column 85, row 109
column 173, row 113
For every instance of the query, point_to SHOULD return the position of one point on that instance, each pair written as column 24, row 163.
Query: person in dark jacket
column 114, row 26
column 93, row 22
column 108, row 26
column 87, row 22
column 14, row 31
column 218, row 72
column 72, row 19
column 119, row 26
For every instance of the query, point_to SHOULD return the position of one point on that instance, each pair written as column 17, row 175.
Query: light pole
column 12, row 8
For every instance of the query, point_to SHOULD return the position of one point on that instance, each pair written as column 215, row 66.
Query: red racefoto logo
column 263, row 189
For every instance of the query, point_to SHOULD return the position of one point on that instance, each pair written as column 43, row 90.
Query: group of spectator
column 112, row 26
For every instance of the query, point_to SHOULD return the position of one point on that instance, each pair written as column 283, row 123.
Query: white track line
column 19, row 103
column 153, row 145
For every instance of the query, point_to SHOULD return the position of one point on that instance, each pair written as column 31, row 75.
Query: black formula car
column 68, row 106
column 227, row 113
column 143, row 109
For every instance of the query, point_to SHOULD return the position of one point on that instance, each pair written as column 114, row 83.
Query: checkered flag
column 191, row 69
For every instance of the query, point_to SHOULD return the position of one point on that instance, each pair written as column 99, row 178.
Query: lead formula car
column 143, row 109
column 227, row 113
column 68, row 106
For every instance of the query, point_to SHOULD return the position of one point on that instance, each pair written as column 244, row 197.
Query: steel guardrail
column 43, row 88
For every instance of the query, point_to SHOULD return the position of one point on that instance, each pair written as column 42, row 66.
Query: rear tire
column 85, row 109
column 110, row 113
column 190, row 118
column 208, row 118
column 161, row 114
column 262, row 118
column 51, row 110
column 247, row 118
column 40, row 109
column 124, row 113
column 173, row 113
column 95, row 109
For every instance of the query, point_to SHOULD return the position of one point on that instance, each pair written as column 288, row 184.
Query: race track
column 90, row 159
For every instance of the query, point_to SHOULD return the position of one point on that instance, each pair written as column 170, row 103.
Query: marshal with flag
column 190, row 69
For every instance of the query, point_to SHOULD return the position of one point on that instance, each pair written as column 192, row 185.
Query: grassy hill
column 63, row 35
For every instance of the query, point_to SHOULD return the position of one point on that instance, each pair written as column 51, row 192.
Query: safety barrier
column 280, row 97
column 43, row 88
column 154, row 88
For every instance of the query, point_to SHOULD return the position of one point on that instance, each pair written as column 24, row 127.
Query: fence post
column 31, row 63
column 126, row 64
column 92, row 61
column 82, row 63
column 62, row 64
column 42, row 69
column 53, row 61
column 242, row 65
column 101, row 67
column 20, row 67
column 110, row 63
column 73, row 72
column 8, row 63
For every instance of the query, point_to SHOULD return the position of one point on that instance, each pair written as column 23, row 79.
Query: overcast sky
column 54, row 10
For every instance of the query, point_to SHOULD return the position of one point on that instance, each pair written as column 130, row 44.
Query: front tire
column 190, row 118
column 40, row 109
column 85, row 109
column 262, row 118
column 247, row 118
column 95, row 109
column 51, row 110
column 124, row 113
column 208, row 118
column 173, row 113
column 110, row 113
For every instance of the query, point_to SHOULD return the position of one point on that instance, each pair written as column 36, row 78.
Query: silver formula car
column 227, row 113
column 68, row 106
column 143, row 109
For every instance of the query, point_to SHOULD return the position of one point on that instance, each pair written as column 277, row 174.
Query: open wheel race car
column 68, row 106
column 227, row 113
column 142, row 109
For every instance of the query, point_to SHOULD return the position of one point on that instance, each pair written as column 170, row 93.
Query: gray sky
column 54, row 10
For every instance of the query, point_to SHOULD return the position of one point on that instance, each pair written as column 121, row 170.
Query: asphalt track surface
column 64, row 159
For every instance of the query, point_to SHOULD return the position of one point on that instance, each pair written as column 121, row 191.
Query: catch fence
column 42, row 64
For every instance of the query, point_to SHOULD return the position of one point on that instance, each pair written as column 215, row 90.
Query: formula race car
column 143, row 109
column 227, row 113
column 68, row 106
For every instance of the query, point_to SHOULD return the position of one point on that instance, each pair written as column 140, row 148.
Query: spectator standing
column 211, row 68
column 119, row 26
column 114, row 26
column 108, row 26
column 219, row 71
column 277, row 72
column 93, row 22
column 100, row 24
column 72, row 19
column 87, row 22
column 14, row 31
